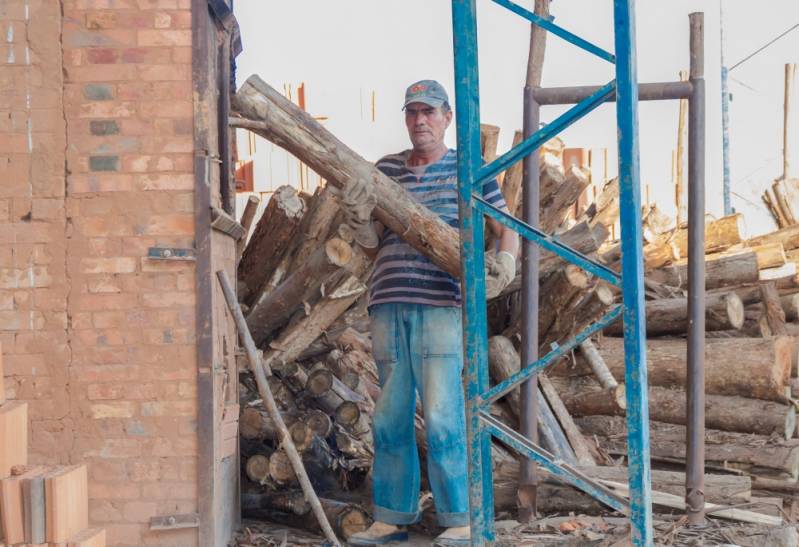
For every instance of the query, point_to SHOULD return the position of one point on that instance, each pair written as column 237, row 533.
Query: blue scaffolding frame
column 471, row 175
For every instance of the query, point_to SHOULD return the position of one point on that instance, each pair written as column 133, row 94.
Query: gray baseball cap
column 429, row 92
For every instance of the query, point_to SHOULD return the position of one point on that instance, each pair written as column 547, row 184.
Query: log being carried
column 414, row 294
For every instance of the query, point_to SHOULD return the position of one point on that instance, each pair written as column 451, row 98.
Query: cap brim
column 435, row 103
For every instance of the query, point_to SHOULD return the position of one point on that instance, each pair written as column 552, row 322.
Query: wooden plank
column 93, row 537
column 13, row 436
column 11, row 505
column 66, row 502
column 2, row 376
column 33, row 508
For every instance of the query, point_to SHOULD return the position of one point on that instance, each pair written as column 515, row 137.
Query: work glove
column 500, row 273
column 357, row 200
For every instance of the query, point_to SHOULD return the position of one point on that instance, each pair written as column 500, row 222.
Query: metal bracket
column 175, row 522
column 171, row 253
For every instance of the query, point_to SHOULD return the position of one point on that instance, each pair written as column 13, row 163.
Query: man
column 415, row 317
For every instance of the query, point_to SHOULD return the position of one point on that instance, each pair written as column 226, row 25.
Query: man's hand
column 357, row 200
column 500, row 274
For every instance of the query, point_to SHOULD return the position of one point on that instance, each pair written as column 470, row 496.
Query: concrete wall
column 96, row 166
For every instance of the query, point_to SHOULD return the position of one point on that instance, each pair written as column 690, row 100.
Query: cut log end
column 280, row 469
column 319, row 382
column 320, row 423
column 338, row 251
column 353, row 520
column 735, row 310
column 257, row 468
column 348, row 413
column 302, row 435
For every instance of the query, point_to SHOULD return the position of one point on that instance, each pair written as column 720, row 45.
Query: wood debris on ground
column 302, row 284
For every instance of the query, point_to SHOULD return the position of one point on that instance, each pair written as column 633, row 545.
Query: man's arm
column 508, row 239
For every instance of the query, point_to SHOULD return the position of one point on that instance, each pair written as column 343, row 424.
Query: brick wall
column 96, row 168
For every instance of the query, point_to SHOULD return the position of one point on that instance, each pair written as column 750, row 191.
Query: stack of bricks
column 39, row 505
column 96, row 159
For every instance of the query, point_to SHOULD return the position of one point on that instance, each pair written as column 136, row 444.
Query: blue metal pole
column 632, row 275
column 467, row 109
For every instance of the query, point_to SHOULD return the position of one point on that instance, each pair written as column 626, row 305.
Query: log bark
column 726, row 413
column 315, row 227
column 272, row 310
column 790, row 306
column 579, row 314
column 255, row 423
column 247, row 217
column 270, row 239
column 605, row 209
column 319, row 422
column 512, row 183
column 789, row 237
column 724, row 311
column 749, row 367
column 586, row 397
column 597, row 364
column 772, row 309
column 667, row 441
column 721, row 270
column 280, row 121
column 558, row 193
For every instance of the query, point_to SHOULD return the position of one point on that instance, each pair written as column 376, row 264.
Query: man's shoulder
column 397, row 159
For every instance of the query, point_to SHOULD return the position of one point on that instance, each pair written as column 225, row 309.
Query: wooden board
column 12, row 506
column 93, row 537
column 13, row 436
column 66, row 502
column 2, row 381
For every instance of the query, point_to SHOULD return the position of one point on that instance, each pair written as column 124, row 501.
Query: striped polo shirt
column 403, row 274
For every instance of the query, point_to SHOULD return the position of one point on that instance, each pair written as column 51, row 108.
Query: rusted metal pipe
column 695, row 453
column 528, row 482
column 655, row 91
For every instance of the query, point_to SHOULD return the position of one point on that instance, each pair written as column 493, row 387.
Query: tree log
column 586, row 397
column 726, row 413
column 295, row 338
column 280, row 121
column 789, row 237
column 579, row 314
column 272, row 310
column 605, row 209
column 578, row 443
column 597, row 364
column 269, row 240
column 257, row 468
column 719, row 234
column 247, row 217
column 255, row 423
column 558, row 193
column 289, row 508
column 790, row 305
column 728, row 269
column 315, row 227
column 772, row 309
column 319, row 422
column 668, row 441
column 750, row 367
column 723, row 311
column 770, row 255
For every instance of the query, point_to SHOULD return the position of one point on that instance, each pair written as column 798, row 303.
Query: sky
column 347, row 52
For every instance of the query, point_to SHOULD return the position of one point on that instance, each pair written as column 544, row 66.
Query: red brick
column 102, row 73
column 101, row 20
column 169, row 408
column 152, row 55
column 108, row 265
column 169, row 490
column 113, row 490
column 100, row 182
column 117, row 409
column 102, row 55
column 162, row 37
column 107, row 109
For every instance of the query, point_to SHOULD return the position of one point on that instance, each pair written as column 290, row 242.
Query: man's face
column 426, row 125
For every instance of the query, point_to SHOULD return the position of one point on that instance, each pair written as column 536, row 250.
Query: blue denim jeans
column 418, row 347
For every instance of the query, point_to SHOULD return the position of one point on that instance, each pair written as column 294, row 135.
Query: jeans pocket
column 442, row 335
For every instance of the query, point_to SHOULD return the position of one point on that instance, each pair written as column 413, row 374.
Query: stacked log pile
column 302, row 285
